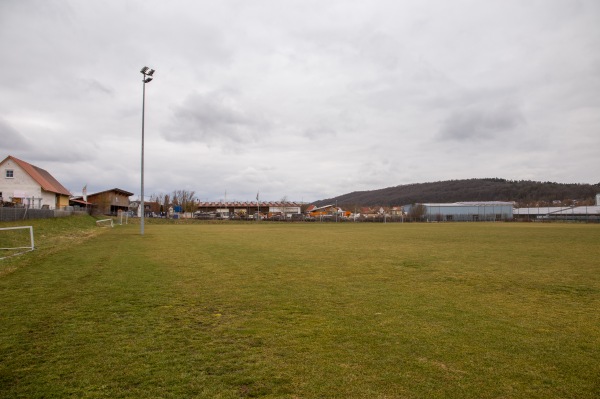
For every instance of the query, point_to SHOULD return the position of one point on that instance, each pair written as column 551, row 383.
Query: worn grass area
column 469, row 310
column 50, row 235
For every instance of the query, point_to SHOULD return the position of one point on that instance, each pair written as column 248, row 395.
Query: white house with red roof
column 22, row 183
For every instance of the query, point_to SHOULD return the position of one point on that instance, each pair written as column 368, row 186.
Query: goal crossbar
column 31, row 245
column 109, row 222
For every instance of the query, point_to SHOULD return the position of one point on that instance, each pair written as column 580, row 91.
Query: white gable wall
column 23, row 186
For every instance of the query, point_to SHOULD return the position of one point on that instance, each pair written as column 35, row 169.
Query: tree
column 166, row 203
column 162, row 201
column 284, row 210
column 185, row 199
column 417, row 212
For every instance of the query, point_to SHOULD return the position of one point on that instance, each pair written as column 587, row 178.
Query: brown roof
column 115, row 190
column 41, row 176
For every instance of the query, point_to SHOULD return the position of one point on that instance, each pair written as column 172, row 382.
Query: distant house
column 151, row 208
column 396, row 211
column 368, row 212
column 326, row 210
column 110, row 202
column 24, row 184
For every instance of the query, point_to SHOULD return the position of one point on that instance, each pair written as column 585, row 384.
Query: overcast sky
column 301, row 99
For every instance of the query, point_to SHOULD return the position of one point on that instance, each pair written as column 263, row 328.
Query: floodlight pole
column 147, row 72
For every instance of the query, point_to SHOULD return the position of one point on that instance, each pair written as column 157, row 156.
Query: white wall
column 21, row 185
column 287, row 209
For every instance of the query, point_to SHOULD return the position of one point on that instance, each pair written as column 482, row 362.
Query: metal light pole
column 147, row 72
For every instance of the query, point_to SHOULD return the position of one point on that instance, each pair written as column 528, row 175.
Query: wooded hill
column 524, row 192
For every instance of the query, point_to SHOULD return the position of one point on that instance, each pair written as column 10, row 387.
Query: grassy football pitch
column 274, row 310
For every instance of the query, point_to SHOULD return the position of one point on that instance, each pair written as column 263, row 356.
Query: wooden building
column 110, row 202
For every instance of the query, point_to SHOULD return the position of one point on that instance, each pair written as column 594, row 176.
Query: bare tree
column 159, row 199
column 185, row 199
column 417, row 212
column 284, row 201
column 166, row 203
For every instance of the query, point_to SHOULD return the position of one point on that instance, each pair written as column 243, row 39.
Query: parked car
column 204, row 215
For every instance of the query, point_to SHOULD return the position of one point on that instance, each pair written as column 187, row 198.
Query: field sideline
column 275, row 310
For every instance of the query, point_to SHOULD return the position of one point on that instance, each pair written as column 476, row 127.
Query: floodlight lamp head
column 150, row 72
column 147, row 80
column 144, row 70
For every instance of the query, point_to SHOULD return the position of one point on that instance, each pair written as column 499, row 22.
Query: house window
column 9, row 173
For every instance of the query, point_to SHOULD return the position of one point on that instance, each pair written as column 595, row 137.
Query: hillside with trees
column 523, row 192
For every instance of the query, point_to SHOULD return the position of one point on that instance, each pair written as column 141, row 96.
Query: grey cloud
column 319, row 132
column 479, row 122
column 58, row 155
column 94, row 86
column 214, row 118
column 321, row 88
column 10, row 138
column 376, row 171
column 382, row 50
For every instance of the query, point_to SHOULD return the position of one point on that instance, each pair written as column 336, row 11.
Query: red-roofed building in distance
column 24, row 184
column 229, row 210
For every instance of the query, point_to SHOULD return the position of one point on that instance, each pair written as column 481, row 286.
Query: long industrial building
column 589, row 213
column 469, row 211
column 246, row 209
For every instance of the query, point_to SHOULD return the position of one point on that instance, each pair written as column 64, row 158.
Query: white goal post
column 17, row 241
column 105, row 223
column 123, row 215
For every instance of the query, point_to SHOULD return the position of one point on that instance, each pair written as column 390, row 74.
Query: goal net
column 105, row 223
column 15, row 240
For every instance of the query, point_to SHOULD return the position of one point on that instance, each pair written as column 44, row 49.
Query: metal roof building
column 572, row 213
column 469, row 211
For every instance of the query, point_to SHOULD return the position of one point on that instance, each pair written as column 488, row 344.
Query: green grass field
column 455, row 310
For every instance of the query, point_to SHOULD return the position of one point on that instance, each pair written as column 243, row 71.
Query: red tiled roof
column 41, row 176
column 246, row 204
